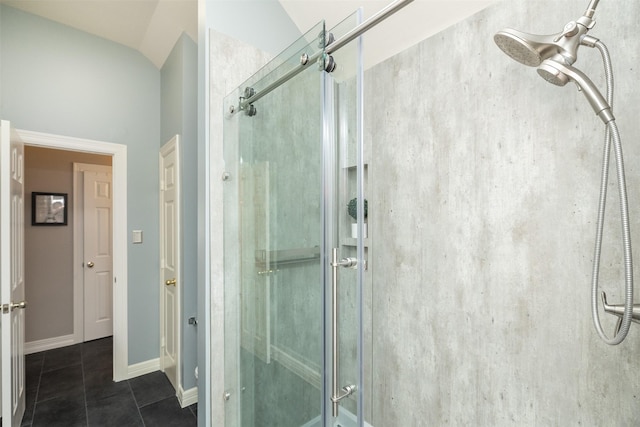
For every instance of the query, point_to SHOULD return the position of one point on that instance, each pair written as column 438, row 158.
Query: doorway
column 57, row 274
column 118, row 154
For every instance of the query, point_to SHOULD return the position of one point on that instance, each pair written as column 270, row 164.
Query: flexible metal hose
column 612, row 134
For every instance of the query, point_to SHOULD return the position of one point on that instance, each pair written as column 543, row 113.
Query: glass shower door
column 287, row 186
column 273, row 239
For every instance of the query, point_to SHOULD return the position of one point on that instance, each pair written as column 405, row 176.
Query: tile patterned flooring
column 73, row 386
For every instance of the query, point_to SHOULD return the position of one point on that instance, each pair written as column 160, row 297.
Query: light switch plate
column 137, row 236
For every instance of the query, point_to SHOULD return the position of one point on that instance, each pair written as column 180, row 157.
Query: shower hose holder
column 618, row 310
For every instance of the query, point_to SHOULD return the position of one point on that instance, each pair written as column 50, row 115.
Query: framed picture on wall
column 48, row 208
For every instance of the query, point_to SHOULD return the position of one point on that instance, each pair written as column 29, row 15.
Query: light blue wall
column 179, row 116
column 59, row 80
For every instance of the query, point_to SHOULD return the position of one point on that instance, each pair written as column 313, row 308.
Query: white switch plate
column 137, row 236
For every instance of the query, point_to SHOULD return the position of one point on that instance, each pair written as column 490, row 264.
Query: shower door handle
column 347, row 390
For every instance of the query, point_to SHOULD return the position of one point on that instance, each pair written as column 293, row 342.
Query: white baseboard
column 49, row 344
column 187, row 397
column 143, row 368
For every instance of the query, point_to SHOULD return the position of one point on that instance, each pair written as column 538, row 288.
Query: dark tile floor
column 73, row 386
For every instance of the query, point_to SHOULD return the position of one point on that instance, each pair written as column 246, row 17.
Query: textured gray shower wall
column 482, row 206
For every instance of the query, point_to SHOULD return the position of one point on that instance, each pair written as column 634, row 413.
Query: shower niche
column 349, row 220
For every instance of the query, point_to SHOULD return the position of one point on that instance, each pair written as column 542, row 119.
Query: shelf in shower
column 349, row 241
column 271, row 260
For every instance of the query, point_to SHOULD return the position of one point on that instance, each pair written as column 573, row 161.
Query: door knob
column 6, row 308
column 90, row 264
column 21, row 304
column 170, row 282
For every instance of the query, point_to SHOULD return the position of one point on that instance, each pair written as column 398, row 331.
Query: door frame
column 118, row 152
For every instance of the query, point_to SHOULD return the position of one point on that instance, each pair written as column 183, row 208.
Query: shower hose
column 612, row 135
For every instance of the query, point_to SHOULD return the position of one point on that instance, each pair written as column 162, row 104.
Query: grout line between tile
column 84, row 386
column 136, row 402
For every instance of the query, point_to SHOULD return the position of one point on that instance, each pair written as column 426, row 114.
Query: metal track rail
column 329, row 49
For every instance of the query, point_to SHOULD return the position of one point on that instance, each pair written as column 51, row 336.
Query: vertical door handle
column 337, row 396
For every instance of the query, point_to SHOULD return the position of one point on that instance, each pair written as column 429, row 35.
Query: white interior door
column 170, row 260
column 12, row 275
column 98, row 253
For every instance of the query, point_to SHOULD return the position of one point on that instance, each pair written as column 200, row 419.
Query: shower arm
column 591, row 9
column 581, row 25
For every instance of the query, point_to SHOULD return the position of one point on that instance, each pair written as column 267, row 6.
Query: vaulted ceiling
column 150, row 26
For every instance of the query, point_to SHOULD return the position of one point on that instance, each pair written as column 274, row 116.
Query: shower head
column 548, row 70
column 554, row 55
column 527, row 49
column 533, row 49
column 560, row 74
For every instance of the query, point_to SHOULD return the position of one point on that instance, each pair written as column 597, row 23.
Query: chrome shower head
column 549, row 71
column 554, row 55
column 560, row 74
column 527, row 49
column 533, row 49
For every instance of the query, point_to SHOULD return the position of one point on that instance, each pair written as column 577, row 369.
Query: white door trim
column 120, row 272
